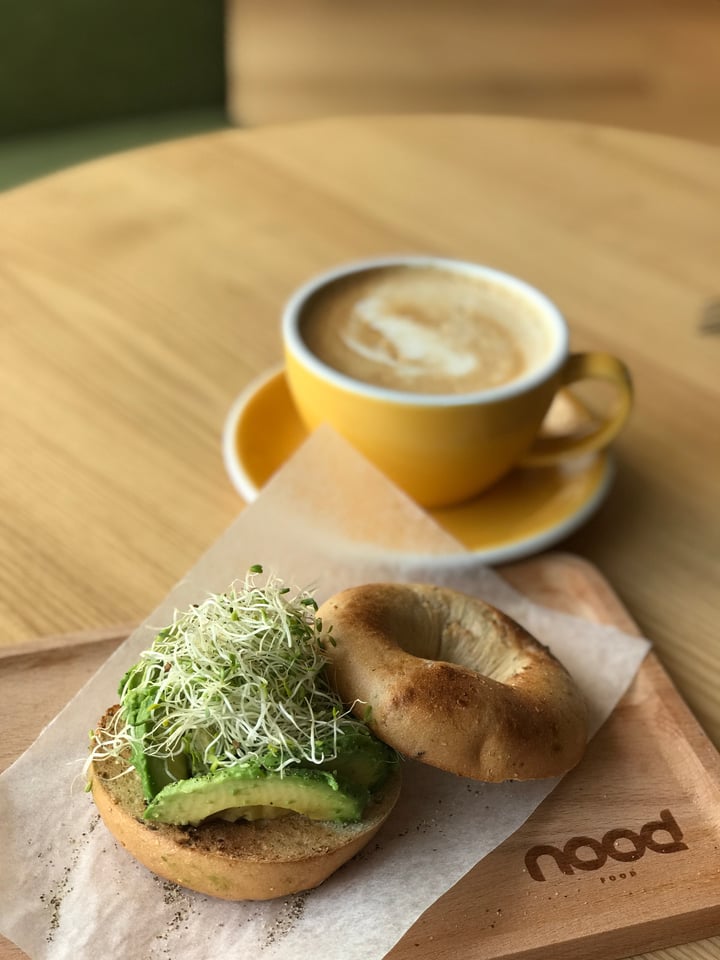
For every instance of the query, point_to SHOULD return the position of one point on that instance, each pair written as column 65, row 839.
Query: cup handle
column 579, row 366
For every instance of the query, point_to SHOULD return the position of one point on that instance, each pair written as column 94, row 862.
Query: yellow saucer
column 527, row 511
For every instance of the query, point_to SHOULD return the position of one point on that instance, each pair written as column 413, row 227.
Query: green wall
column 83, row 78
column 69, row 62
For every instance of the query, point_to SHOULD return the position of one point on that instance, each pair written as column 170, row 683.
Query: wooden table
column 140, row 293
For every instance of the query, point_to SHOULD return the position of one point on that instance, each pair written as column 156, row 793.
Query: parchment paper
column 327, row 519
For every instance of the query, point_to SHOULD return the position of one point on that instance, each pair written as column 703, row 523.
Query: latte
column 424, row 329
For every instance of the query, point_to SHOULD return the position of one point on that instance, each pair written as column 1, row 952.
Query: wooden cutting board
column 622, row 858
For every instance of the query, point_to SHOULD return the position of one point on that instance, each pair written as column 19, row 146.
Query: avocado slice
column 314, row 793
column 157, row 772
column 154, row 772
column 362, row 760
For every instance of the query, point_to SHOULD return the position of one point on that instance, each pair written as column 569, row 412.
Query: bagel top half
column 449, row 680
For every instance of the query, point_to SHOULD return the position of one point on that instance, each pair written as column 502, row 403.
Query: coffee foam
column 424, row 330
column 381, row 332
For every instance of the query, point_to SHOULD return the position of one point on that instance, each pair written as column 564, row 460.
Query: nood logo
column 660, row 836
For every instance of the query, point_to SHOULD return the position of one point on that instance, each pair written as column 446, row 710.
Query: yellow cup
column 446, row 448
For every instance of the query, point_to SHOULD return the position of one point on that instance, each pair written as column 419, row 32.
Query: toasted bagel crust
column 454, row 682
column 256, row 860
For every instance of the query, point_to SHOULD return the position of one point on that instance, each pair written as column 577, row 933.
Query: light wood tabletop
column 139, row 294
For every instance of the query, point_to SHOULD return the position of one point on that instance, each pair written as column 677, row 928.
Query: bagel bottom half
column 245, row 860
column 449, row 680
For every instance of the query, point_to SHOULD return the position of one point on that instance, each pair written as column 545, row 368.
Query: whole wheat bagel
column 449, row 680
column 245, row 860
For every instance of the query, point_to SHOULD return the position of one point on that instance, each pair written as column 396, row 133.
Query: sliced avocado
column 258, row 812
column 314, row 793
column 157, row 772
column 154, row 772
column 361, row 759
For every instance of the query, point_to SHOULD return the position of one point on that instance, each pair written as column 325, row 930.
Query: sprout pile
column 236, row 678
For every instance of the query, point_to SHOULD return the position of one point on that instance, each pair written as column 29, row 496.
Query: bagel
column 244, row 860
column 230, row 766
column 449, row 680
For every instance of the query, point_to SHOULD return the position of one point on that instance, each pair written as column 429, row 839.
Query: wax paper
column 327, row 520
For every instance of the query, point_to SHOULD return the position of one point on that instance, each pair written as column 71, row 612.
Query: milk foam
column 393, row 339
column 423, row 330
